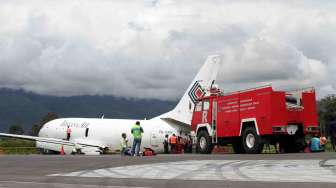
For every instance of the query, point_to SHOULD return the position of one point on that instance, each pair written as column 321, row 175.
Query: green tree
column 16, row 129
column 326, row 112
column 35, row 129
column 37, row 126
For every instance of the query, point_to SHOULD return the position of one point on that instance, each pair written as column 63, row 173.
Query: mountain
column 25, row 108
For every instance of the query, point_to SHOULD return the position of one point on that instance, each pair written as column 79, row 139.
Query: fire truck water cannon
column 250, row 118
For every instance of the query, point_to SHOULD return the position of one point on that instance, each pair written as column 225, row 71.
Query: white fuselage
column 106, row 132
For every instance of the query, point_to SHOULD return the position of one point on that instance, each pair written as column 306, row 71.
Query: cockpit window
column 206, row 105
column 198, row 107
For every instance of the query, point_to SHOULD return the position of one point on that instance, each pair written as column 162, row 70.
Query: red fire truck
column 251, row 118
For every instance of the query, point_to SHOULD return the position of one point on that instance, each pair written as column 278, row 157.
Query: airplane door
column 155, row 139
column 86, row 132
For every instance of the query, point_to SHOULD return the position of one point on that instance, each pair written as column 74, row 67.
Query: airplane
column 92, row 136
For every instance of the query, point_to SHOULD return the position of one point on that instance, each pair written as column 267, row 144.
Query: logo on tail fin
column 196, row 92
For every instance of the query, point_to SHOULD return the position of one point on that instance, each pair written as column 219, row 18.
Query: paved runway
column 272, row 170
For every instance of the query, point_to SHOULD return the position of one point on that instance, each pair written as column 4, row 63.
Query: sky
column 154, row 48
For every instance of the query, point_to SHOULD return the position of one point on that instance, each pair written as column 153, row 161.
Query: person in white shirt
column 124, row 144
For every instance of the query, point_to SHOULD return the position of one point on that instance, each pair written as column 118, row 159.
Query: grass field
column 15, row 146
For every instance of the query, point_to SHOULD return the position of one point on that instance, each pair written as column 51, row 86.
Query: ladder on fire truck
column 213, row 122
column 214, row 91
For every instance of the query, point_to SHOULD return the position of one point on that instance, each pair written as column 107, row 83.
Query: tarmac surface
column 189, row 170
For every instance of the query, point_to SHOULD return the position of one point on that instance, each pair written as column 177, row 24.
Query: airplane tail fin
column 199, row 87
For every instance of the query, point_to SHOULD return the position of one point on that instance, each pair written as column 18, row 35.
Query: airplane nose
column 42, row 132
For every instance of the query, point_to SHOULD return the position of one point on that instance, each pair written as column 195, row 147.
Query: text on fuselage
column 83, row 125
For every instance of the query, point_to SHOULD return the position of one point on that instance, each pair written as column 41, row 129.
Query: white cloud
column 152, row 49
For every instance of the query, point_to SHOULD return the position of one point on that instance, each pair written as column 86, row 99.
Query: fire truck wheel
column 204, row 144
column 251, row 141
column 238, row 147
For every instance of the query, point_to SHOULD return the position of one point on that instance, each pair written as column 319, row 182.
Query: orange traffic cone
column 62, row 150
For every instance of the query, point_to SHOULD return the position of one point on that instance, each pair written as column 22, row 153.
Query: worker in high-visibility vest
column 137, row 135
column 68, row 131
column 173, row 142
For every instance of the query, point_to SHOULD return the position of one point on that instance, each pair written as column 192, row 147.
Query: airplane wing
column 53, row 141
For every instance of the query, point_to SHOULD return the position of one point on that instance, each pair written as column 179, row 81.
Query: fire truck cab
column 251, row 118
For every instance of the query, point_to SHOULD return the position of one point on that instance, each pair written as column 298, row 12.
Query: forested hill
column 23, row 108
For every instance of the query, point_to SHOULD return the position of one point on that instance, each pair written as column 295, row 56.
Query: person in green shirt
column 137, row 135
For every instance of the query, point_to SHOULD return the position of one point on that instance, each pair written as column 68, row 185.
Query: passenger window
column 198, row 107
column 206, row 105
